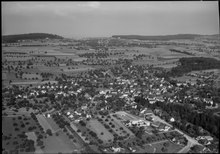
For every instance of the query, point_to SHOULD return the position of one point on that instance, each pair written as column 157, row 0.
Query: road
column 191, row 141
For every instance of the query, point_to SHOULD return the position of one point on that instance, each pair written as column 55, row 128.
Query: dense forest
column 30, row 36
column 194, row 64
column 163, row 37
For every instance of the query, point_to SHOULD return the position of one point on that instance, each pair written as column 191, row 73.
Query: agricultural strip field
column 185, row 78
column 26, row 83
column 167, row 65
column 78, row 69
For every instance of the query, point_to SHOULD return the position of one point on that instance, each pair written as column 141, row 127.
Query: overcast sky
column 94, row 19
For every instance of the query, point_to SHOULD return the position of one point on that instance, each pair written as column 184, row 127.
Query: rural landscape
column 107, row 95
column 117, row 94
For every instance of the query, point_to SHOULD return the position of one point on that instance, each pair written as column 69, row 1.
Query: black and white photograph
column 110, row 77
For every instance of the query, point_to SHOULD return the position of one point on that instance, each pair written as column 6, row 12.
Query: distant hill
column 159, row 37
column 30, row 36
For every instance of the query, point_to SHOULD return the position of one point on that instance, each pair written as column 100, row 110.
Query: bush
column 15, row 124
column 166, row 144
column 163, row 149
column 49, row 132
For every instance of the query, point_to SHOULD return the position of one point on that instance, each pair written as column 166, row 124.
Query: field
column 17, row 58
column 168, row 66
column 126, row 116
column 216, row 71
column 185, row 78
column 160, row 56
column 71, row 51
column 43, row 122
column 118, row 126
column 26, row 83
column 12, row 127
column 146, row 149
column 60, row 143
column 31, row 76
column 97, row 127
column 54, row 126
column 193, row 79
column 170, row 148
column 77, row 69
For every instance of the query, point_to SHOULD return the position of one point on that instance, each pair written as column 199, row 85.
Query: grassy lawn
column 146, row 149
column 170, row 148
column 61, row 143
column 53, row 125
column 43, row 122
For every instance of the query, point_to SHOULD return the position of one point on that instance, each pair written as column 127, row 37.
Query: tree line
column 187, row 65
column 207, row 120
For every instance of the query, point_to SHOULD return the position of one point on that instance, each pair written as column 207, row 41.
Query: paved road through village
column 191, row 141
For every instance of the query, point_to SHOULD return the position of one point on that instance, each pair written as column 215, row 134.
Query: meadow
column 60, row 143
column 166, row 147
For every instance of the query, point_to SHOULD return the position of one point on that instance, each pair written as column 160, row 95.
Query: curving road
column 191, row 141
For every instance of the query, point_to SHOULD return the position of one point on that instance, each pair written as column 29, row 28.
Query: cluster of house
column 205, row 140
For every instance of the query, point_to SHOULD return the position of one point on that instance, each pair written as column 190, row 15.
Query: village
column 110, row 77
column 112, row 109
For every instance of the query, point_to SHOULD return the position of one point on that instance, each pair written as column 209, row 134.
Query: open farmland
column 71, row 51
column 185, row 78
column 17, row 58
column 100, row 92
column 78, row 69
